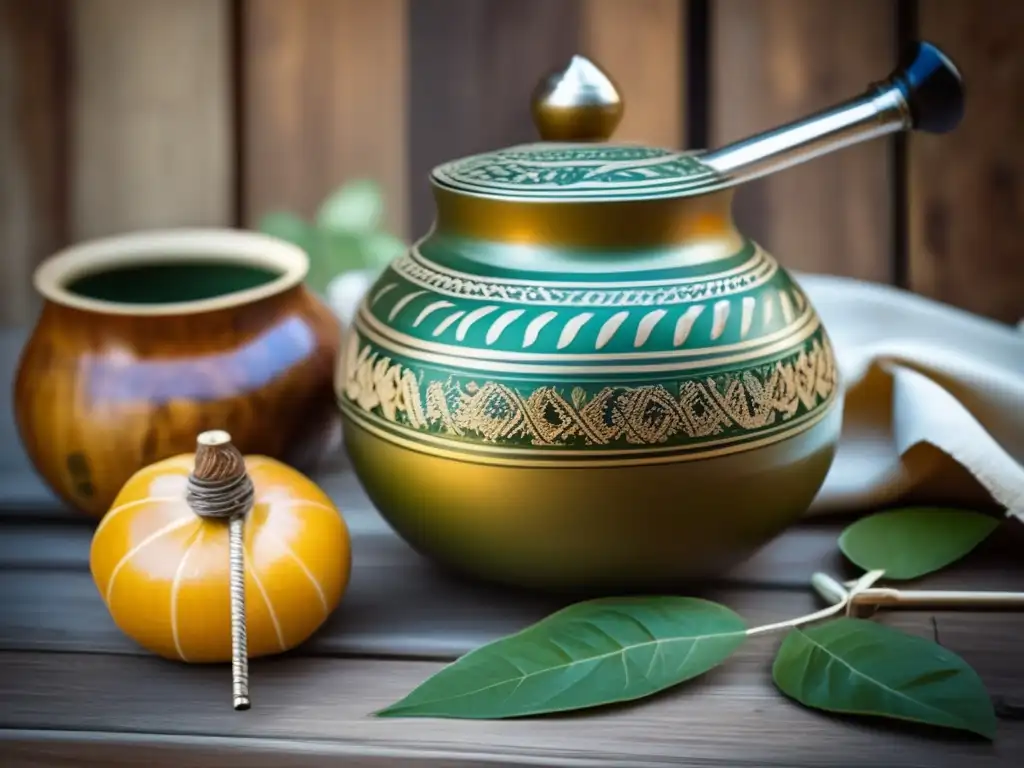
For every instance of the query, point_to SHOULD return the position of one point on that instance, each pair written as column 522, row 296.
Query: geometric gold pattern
column 743, row 401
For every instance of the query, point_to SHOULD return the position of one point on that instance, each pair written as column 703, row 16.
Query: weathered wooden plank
column 398, row 604
column 55, row 749
column 473, row 66
column 640, row 44
column 33, row 209
column 331, row 700
column 29, row 542
column 324, row 103
column 152, row 138
column 966, row 188
column 393, row 608
column 774, row 61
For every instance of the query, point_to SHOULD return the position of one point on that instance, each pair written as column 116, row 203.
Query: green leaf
column 356, row 207
column 331, row 255
column 907, row 543
column 288, row 227
column 380, row 249
column 854, row 666
column 591, row 653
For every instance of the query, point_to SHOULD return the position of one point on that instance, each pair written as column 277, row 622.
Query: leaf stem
column 832, row 590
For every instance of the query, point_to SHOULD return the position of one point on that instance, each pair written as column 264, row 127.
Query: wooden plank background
column 834, row 214
column 966, row 190
column 118, row 116
column 150, row 115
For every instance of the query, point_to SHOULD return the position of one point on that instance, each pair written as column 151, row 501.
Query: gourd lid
column 575, row 111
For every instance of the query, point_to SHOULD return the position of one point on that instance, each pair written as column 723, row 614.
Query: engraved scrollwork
column 427, row 275
column 373, row 382
column 736, row 403
column 563, row 169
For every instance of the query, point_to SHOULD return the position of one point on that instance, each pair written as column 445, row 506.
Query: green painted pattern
column 578, row 171
column 458, row 341
column 555, row 411
column 745, row 301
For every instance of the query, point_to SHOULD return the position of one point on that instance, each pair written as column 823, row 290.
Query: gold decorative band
column 704, row 221
column 525, row 457
column 420, row 270
column 692, row 415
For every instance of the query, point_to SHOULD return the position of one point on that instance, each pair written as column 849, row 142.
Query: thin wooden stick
column 920, row 598
column 891, row 597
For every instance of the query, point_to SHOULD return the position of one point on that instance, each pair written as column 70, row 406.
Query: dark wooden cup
column 145, row 340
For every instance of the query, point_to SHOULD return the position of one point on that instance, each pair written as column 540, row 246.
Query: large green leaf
column 591, row 653
column 854, row 666
column 907, row 543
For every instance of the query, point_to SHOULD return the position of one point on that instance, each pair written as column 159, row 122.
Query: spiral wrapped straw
column 219, row 487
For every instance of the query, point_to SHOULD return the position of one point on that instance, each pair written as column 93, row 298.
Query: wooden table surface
column 74, row 691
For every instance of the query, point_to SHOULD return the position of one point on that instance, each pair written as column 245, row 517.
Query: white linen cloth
column 934, row 400
column 933, row 397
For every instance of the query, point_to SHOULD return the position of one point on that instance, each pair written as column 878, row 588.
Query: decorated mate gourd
column 584, row 375
column 216, row 557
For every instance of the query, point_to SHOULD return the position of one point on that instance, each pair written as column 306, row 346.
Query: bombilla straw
column 924, row 93
column 219, row 487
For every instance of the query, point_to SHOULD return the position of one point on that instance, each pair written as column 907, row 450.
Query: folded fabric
column 934, row 401
column 934, row 397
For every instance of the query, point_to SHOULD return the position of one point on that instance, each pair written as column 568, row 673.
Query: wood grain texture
column 473, row 66
column 33, row 185
column 314, row 704
column 151, row 140
column 774, row 61
column 733, row 716
column 640, row 44
column 324, row 103
column 400, row 605
column 55, row 749
column 966, row 188
column 90, row 412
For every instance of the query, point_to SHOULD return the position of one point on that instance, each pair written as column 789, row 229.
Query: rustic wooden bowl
column 145, row 340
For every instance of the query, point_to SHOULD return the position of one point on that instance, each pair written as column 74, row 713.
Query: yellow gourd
column 163, row 570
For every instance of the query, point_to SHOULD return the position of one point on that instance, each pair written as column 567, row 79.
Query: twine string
column 221, row 498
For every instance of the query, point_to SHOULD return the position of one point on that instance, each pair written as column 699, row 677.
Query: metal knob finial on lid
column 577, row 103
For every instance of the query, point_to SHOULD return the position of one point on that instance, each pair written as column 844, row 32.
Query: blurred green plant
column 346, row 233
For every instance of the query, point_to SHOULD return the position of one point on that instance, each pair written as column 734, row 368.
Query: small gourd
column 170, row 564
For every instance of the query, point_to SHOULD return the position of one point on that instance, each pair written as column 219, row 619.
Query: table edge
column 21, row 743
